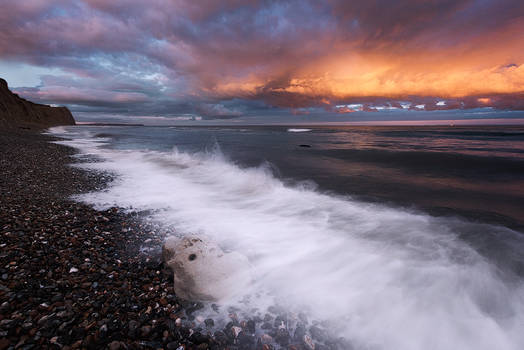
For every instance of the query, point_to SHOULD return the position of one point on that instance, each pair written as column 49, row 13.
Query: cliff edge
column 17, row 112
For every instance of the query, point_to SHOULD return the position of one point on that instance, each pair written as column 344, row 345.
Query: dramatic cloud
column 224, row 59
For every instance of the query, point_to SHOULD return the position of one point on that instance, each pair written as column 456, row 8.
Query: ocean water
column 397, row 237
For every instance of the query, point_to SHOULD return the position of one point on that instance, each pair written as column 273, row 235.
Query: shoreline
column 72, row 277
column 439, row 186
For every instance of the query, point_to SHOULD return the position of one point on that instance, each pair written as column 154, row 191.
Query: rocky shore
column 72, row 277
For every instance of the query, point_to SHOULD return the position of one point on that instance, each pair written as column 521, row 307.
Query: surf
column 381, row 277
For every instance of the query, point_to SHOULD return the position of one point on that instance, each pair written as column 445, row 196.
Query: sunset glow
column 262, row 174
column 217, row 60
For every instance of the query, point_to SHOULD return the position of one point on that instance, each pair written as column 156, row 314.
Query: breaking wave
column 298, row 130
column 386, row 278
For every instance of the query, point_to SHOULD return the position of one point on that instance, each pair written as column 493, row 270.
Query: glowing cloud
column 223, row 58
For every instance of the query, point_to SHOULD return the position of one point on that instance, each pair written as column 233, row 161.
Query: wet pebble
column 73, row 277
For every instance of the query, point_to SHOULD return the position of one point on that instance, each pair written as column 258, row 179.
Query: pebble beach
column 72, row 277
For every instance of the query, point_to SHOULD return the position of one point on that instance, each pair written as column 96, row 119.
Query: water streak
column 387, row 278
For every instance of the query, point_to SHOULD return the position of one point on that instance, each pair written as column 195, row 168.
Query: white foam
column 298, row 130
column 389, row 279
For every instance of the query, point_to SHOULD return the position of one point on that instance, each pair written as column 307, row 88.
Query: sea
column 393, row 237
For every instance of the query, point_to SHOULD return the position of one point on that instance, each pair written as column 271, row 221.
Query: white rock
column 203, row 271
column 236, row 331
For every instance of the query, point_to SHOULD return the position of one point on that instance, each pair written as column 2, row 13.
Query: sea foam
column 298, row 130
column 385, row 278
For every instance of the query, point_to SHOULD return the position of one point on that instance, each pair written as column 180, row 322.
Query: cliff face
column 17, row 112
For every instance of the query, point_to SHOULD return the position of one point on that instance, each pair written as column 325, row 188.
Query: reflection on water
column 480, row 141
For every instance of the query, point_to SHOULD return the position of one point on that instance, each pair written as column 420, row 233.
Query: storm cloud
column 224, row 59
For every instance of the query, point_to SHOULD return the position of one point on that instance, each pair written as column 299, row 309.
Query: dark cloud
column 223, row 59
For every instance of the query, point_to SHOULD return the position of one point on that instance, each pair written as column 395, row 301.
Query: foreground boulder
column 16, row 112
column 203, row 271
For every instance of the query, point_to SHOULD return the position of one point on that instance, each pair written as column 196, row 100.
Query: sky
column 267, row 60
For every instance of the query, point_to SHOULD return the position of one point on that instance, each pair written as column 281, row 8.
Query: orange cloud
column 295, row 54
column 490, row 64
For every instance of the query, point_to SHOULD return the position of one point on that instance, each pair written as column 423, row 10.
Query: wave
column 384, row 278
column 298, row 130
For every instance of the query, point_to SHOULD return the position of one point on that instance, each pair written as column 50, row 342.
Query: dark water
column 312, row 224
column 474, row 172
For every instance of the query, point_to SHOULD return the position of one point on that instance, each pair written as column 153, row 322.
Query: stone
column 145, row 330
column 308, row 342
column 250, row 326
column 4, row 343
column 282, row 337
column 266, row 339
column 317, row 333
column 172, row 345
column 114, row 345
column 203, row 271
